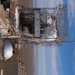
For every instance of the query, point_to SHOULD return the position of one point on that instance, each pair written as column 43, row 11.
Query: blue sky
column 58, row 60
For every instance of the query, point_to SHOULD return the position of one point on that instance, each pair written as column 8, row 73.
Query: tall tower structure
column 45, row 25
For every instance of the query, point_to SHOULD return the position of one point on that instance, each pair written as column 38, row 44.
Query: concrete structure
column 4, row 22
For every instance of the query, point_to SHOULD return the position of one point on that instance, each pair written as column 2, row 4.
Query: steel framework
column 47, row 25
column 39, row 25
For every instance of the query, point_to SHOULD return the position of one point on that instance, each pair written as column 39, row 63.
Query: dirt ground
column 26, row 57
column 9, row 67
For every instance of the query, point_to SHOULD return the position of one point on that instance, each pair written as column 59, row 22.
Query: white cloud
column 41, row 63
column 71, row 4
column 47, row 3
column 56, row 64
column 53, row 3
column 54, row 54
column 53, row 61
column 71, row 16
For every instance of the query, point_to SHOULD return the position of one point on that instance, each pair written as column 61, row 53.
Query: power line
column 70, row 41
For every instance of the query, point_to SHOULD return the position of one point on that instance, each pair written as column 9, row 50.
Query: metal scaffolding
column 39, row 25
column 46, row 25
